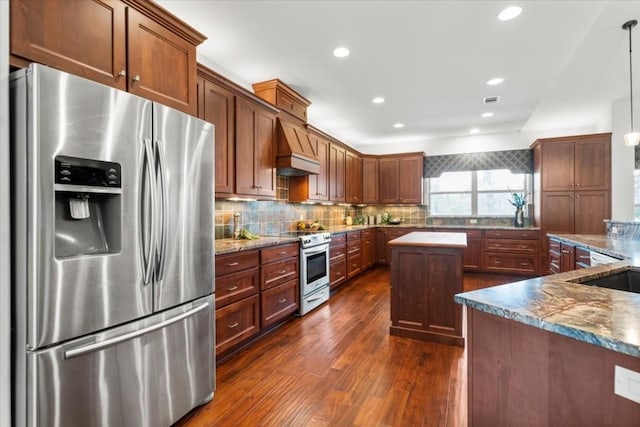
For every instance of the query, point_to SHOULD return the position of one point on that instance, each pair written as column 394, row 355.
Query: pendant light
column 631, row 138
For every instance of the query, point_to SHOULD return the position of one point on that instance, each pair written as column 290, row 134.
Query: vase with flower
column 518, row 200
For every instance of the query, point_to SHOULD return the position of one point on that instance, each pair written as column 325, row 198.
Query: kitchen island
column 544, row 351
column 426, row 272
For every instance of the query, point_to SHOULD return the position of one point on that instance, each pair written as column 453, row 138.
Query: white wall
column 472, row 143
column 5, row 277
column 622, row 163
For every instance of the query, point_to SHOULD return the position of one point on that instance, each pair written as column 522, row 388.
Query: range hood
column 295, row 155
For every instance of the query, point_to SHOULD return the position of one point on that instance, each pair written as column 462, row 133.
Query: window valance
column 517, row 161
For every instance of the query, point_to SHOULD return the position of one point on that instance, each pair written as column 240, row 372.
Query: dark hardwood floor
column 338, row 366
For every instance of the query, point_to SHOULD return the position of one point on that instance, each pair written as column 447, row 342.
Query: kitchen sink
column 628, row 280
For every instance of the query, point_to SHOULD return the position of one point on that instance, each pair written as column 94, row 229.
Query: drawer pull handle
column 233, row 325
column 233, row 288
column 524, row 264
column 564, row 251
column 496, row 245
column 524, row 247
column 497, row 262
column 232, row 264
column 282, row 253
column 282, row 271
column 282, row 300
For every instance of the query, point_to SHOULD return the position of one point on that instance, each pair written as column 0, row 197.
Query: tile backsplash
column 272, row 218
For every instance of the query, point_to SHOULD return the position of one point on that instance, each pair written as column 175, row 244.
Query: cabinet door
column 591, row 209
column 472, row 255
column 558, row 211
column 353, row 181
column 388, row 180
column 381, row 247
column 567, row 257
column 161, row 65
column 82, row 37
column 265, row 153
column 557, row 158
column 368, row 249
column 237, row 322
column 337, row 158
column 319, row 184
column 593, row 164
column 217, row 105
column 244, row 153
column 410, row 179
column 369, row 180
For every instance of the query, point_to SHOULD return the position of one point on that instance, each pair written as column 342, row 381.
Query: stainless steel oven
column 314, row 271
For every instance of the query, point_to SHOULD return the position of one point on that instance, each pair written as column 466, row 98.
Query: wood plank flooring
column 338, row 366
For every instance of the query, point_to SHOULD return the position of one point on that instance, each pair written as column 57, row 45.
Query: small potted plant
column 518, row 200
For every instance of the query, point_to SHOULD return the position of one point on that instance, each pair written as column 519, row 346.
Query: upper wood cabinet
column 313, row 188
column 337, row 159
column 255, row 150
column 369, row 180
column 353, row 178
column 132, row 45
column 575, row 163
column 282, row 96
column 400, row 178
column 217, row 105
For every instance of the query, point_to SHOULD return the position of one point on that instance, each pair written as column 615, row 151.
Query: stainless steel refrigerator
column 113, row 272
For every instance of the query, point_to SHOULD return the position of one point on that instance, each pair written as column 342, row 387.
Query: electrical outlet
column 627, row 384
column 614, row 230
column 473, row 221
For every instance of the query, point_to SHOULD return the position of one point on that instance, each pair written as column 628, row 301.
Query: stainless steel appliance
column 112, row 208
column 314, row 271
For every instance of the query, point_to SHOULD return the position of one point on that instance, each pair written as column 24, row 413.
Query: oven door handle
column 315, row 250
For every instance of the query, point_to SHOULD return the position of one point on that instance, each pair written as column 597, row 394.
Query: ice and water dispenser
column 87, row 207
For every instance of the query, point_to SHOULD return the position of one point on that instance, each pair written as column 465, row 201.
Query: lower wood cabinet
column 354, row 254
column 338, row 260
column 279, row 302
column 512, row 251
column 368, row 249
column 237, row 322
column 423, row 283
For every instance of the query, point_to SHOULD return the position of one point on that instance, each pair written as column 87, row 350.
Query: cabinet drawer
column 583, row 257
column 512, row 234
column 554, row 263
column 337, row 252
column 279, row 272
column 237, row 322
column 511, row 263
column 354, row 265
column 338, row 239
column 367, row 234
column 511, row 245
column 353, row 236
column 337, row 272
column 279, row 302
column 280, row 252
column 554, row 246
column 291, row 105
column 238, row 261
column 353, row 247
column 236, row 286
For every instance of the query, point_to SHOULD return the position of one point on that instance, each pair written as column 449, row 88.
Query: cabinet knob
column 122, row 73
column 136, row 78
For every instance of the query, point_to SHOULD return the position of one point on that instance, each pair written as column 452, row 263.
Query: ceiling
column 564, row 62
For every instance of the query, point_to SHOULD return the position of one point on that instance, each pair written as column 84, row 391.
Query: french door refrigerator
column 113, row 274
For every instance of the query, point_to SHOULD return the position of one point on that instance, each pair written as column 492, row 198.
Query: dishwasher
column 599, row 259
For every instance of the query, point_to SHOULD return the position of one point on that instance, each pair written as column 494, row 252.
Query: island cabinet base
column 520, row 375
column 423, row 283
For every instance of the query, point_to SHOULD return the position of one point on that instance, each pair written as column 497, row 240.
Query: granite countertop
column 227, row 246
column 345, row 228
column 559, row 303
column 435, row 240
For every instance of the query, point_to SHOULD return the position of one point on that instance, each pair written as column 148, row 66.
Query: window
column 475, row 193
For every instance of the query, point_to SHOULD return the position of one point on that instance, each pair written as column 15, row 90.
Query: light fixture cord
column 631, row 78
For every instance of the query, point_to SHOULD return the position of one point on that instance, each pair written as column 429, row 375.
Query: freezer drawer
column 150, row 373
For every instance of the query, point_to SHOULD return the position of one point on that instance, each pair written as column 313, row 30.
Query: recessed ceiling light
column 474, row 130
column 341, row 52
column 378, row 100
column 487, row 114
column 398, row 125
column 509, row 13
column 495, row 81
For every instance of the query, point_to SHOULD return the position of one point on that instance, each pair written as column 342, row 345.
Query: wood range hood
column 295, row 155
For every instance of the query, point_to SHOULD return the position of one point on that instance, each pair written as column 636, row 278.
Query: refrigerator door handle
column 164, row 208
column 91, row 348
column 149, row 219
